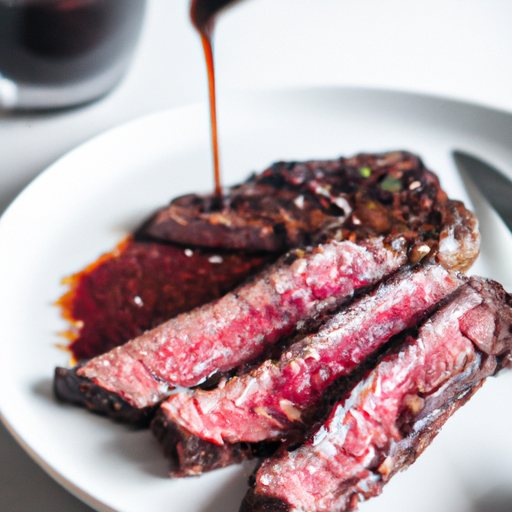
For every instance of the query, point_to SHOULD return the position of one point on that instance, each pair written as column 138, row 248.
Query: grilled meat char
column 69, row 387
column 294, row 204
column 279, row 396
column 191, row 456
column 188, row 349
column 392, row 415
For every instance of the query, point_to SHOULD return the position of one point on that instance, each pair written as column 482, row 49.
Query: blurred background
column 459, row 49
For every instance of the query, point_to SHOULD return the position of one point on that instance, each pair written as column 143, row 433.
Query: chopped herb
column 391, row 184
column 365, row 172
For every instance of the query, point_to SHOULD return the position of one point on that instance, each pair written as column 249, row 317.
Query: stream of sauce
column 203, row 14
column 142, row 283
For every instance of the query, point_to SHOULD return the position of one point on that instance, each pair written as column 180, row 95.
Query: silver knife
column 493, row 184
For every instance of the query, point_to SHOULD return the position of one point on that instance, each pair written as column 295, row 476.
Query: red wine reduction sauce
column 141, row 284
column 203, row 14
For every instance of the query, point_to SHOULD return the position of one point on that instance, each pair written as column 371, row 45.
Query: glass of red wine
column 64, row 53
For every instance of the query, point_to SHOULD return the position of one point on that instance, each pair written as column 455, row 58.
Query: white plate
column 84, row 203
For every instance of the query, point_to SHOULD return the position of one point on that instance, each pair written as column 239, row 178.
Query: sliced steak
column 293, row 204
column 188, row 349
column 279, row 396
column 390, row 416
column 379, row 210
column 191, row 456
column 144, row 282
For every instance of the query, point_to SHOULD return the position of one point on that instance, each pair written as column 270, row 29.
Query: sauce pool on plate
column 139, row 285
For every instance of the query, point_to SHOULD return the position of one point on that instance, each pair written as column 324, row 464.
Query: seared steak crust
column 69, row 387
column 191, row 456
column 293, row 204
column 459, row 238
column 390, row 417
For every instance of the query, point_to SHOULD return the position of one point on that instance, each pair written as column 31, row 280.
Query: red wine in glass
column 61, row 53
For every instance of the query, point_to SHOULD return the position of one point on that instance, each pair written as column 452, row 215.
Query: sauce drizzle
column 203, row 14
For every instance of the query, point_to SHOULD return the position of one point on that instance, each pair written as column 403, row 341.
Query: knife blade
column 493, row 184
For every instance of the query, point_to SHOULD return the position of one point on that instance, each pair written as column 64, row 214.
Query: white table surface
column 453, row 48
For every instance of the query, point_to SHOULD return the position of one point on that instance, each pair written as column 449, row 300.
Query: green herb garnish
column 365, row 172
column 391, row 184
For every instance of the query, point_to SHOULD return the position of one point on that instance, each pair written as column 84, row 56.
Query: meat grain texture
column 278, row 396
column 391, row 415
column 357, row 221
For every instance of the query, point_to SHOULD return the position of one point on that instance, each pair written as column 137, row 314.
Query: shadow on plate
column 134, row 445
column 496, row 500
column 139, row 447
column 44, row 389
column 229, row 497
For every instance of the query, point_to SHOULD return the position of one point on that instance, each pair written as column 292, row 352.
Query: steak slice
column 188, row 349
column 393, row 414
column 191, row 456
column 280, row 396
column 293, row 204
